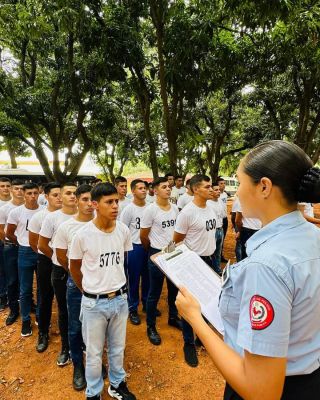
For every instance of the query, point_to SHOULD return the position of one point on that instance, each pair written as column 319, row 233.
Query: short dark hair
column 4, row 179
column 84, row 188
column 158, row 181
column 68, row 184
column 220, row 179
column 168, row 174
column 50, row 186
column 135, row 182
column 30, row 185
column 178, row 177
column 288, row 167
column 102, row 189
column 187, row 182
column 17, row 182
column 197, row 179
column 119, row 179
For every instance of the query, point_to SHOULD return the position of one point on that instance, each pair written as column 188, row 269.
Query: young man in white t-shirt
column 97, row 267
column 178, row 189
column 137, row 265
column 186, row 197
column 246, row 228
column 59, row 275
column 17, row 232
column 195, row 226
column 151, row 198
column 121, row 185
column 5, row 197
column 52, row 193
column 10, row 254
column 61, row 244
column 156, row 232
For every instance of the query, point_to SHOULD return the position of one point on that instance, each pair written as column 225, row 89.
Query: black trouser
column 297, row 387
column 46, row 292
column 225, row 224
column 245, row 234
column 59, row 283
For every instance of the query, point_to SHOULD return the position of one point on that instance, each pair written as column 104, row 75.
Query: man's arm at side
column 2, row 234
column 10, row 233
column 43, row 246
column 33, row 241
column 178, row 237
column 75, row 271
column 62, row 257
column 144, row 237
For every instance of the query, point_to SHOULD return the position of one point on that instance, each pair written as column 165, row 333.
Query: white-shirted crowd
column 91, row 248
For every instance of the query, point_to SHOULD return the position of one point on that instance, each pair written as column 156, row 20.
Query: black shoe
column 134, row 318
column 3, row 303
column 26, row 328
column 43, row 342
column 79, row 379
column 63, row 358
column 153, row 335
column 104, row 372
column 11, row 318
column 97, row 397
column 175, row 322
column 190, row 354
column 121, row 392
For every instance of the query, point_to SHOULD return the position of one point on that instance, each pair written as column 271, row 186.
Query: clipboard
column 185, row 268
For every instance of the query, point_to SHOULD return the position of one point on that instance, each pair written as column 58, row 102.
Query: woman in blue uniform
column 270, row 302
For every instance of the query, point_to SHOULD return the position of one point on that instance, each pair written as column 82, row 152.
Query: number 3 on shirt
column 167, row 224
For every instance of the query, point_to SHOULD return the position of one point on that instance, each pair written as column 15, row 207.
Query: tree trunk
column 12, row 156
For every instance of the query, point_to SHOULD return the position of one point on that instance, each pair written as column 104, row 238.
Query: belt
column 8, row 243
column 110, row 295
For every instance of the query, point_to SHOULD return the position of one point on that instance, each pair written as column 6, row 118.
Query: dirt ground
column 153, row 372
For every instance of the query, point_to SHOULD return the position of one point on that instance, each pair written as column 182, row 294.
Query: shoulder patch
column 261, row 312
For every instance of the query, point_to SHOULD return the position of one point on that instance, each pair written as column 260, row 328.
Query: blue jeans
column 10, row 252
column 104, row 319
column 137, row 267
column 74, row 297
column 216, row 258
column 27, row 266
column 156, row 283
column 3, row 283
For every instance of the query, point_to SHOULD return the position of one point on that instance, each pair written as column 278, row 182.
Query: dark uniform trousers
column 296, row 387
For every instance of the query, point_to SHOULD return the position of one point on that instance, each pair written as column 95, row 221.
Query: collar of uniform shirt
column 277, row 226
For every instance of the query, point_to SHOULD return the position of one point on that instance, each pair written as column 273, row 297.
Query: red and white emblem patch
column 261, row 312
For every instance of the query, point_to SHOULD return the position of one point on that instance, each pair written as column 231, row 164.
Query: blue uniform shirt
column 270, row 301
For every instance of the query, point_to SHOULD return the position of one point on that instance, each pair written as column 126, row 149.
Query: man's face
column 140, row 191
column 107, row 206
column 222, row 186
column 171, row 180
column 5, row 189
column 151, row 190
column 204, row 190
column 215, row 192
column 68, row 196
column 122, row 189
column 17, row 192
column 31, row 197
column 179, row 183
column 163, row 190
column 54, row 198
column 85, row 204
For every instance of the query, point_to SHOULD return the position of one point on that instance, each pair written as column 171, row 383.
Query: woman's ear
column 266, row 187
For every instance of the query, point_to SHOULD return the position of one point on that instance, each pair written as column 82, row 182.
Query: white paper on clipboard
column 185, row 268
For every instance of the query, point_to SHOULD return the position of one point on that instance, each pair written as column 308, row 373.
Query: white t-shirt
column 4, row 202
column 102, row 256
column 20, row 216
column 150, row 199
column 50, row 226
column 161, row 223
column 250, row 223
column 224, row 197
column 122, row 204
column 131, row 216
column 219, row 210
column 36, row 222
column 184, row 200
column 65, row 234
column 176, row 193
column 42, row 201
column 199, row 226
column 4, row 212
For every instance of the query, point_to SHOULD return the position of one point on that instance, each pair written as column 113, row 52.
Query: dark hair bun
column 309, row 190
